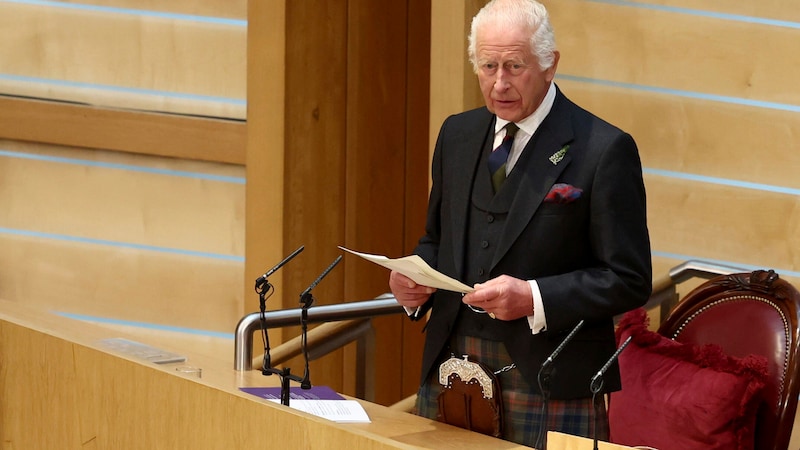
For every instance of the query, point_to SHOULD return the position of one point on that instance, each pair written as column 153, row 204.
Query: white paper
column 342, row 411
column 418, row 270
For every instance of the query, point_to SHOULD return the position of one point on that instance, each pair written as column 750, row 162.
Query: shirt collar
column 531, row 123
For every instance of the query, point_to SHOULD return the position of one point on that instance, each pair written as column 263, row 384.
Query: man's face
column 511, row 81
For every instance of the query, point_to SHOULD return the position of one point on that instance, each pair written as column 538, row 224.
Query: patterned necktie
column 498, row 157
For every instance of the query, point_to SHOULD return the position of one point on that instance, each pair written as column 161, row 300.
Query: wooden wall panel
column 416, row 172
column 679, row 51
column 315, row 207
column 144, row 201
column 691, row 135
column 122, row 237
column 377, row 151
column 233, row 9
column 127, row 131
column 779, row 10
column 726, row 223
column 117, row 284
column 123, row 58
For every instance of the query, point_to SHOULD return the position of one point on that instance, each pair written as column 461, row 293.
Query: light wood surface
column 143, row 239
column 561, row 441
column 691, row 135
column 100, row 57
column 126, row 131
column 160, row 202
column 768, row 9
column 680, row 51
column 235, row 9
column 59, row 380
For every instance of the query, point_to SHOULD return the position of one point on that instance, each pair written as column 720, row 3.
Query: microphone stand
column 543, row 378
column 596, row 385
column 285, row 374
column 265, row 289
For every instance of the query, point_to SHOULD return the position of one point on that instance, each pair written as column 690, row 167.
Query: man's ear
column 551, row 72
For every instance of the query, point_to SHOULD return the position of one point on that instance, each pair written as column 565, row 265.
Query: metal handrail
column 243, row 338
column 701, row 269
column 386, row 304
column 665, row 293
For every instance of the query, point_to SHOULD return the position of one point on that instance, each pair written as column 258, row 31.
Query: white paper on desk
column 342, row 411
column 417, row 269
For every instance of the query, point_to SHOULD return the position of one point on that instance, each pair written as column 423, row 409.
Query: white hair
column 529, row 14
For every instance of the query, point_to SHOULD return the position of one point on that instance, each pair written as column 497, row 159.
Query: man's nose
column 501, row 80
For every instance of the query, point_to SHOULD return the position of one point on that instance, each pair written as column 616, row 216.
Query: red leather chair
column 750, row 313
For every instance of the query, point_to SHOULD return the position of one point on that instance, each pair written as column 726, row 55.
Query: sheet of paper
column 342, row 411
column 417, row 269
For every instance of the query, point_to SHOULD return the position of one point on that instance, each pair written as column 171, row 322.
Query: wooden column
column 337, row 143
column 264, row 205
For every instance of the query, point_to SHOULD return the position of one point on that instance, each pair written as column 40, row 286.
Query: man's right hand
column 407, row 292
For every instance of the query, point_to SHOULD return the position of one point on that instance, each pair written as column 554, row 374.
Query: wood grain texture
column 125, row 51
column 124, row 284
column 694, row 136
column 55, row 373
column 127, row 131
column 679, row 51
column 345, row 158
column 781, row 10
column 234, row 9
column 123, row 198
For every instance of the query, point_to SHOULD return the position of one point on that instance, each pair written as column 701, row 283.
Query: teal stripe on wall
column 702, row 13
column 131, row 11
column 116, row 166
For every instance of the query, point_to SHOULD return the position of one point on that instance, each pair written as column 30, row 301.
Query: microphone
column 319, row 278
column 597, row 384
column 307, row 299
column 543, row 378
column 260, row 280
column 597, row 380
column 547, row 362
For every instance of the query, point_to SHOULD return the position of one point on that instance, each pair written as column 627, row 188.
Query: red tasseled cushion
column 682, row 396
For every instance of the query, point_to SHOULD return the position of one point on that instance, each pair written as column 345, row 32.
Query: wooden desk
column 60, row 388
column 561, row 441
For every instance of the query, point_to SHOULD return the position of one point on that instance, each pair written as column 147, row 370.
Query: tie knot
column 511, row 130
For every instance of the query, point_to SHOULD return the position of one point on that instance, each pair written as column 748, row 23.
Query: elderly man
column 539, row 205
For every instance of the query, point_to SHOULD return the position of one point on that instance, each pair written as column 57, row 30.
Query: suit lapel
column 537, row 172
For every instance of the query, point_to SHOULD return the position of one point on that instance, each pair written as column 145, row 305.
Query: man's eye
column 489, row 68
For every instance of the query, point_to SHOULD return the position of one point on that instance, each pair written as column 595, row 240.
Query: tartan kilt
column 522, row 406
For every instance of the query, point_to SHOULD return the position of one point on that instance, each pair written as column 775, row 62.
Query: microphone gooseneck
column 543, row 377
column 263, row 278
column 596, row 385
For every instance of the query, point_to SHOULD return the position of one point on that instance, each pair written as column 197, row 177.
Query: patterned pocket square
column 563, row 193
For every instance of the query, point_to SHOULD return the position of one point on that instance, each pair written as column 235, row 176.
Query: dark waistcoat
column 485, row 224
